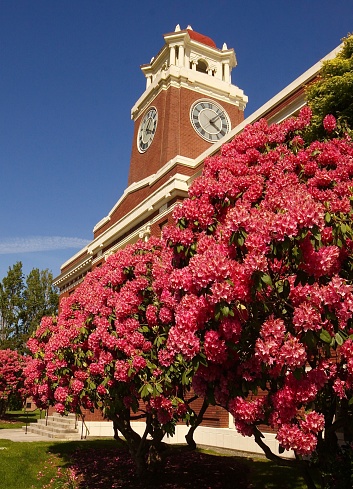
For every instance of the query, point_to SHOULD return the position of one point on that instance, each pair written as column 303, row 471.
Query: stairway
column 56, row 426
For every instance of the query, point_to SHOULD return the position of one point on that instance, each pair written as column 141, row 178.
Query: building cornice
column 148, row 181
column 176, row 185
column 192, row 80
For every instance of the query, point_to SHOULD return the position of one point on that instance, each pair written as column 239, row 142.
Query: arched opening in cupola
column 202, row 66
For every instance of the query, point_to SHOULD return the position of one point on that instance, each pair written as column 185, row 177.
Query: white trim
column 148, row 181
column 180, row 77
column 177, row 185
column 84, row 265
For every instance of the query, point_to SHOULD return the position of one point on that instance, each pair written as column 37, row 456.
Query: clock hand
column 148, row 129
column 213, row 120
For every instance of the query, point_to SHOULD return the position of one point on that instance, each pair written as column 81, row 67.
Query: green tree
column 23, row 302
column 332, row 93
column 39, row 299
column 11, row 303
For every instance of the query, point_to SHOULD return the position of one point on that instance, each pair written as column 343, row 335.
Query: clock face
column 147, row 130
column 209, row 120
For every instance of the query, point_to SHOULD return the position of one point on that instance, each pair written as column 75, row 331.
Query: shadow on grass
column 17, row 419
column 106, row 464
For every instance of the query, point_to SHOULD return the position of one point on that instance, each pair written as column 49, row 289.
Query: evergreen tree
column 11, row 303
column 332, row 93
column 23, row 302
column 39, row 299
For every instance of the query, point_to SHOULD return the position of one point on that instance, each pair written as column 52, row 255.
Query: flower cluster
column 106, row 341
column 12, row 377
column 264, row 288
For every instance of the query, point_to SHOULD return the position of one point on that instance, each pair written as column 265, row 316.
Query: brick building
column 188, row 110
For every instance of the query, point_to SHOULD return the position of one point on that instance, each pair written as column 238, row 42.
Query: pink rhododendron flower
column 329, row 123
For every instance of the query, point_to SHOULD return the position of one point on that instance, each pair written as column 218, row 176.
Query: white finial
column 177, row 28
column 189, row 28
column 152, row 59
column 224, row 47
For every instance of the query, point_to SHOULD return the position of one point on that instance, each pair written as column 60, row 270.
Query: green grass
column 21, row 462
column 17, row 419
column 266, row 475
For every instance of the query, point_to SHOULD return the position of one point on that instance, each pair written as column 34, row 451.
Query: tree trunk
column 190, row 435
column 301, row 464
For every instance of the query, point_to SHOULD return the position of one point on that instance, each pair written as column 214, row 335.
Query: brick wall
column 174, row 134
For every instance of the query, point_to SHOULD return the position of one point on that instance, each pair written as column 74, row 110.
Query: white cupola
column 191, row 60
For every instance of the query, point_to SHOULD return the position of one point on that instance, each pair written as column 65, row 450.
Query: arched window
column 201, row 66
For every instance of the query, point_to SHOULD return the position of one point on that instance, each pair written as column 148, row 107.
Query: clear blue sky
column 69, row 75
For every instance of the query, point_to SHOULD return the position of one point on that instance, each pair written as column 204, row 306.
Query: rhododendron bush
column 11, row 379
column 263, row 283
column 250, row 295
column 106, row 349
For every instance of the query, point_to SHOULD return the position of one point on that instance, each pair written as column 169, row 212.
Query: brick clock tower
column 189, row 105
column 189, row 102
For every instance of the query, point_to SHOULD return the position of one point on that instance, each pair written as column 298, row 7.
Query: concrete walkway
column 20, row 435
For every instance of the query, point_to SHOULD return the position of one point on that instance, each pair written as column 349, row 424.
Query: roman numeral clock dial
column 209, row 120
column 147, row 130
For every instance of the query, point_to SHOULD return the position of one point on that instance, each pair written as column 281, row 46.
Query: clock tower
column 188, row 107
column 189, row 102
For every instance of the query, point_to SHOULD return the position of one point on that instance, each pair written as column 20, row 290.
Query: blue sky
column 69, row 75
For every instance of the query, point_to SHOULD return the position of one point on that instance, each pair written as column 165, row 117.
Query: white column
column 181, row 56
column 172, row 55
column 226, row 72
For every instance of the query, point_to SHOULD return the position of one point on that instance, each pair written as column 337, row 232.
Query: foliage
column 332, row 93
column 263, row 286
column 11, row 379
column 23, row 302
column 106, row 349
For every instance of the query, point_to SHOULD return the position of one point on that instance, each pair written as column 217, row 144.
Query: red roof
column 196, row 36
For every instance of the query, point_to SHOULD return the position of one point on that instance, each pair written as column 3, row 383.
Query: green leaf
column 325, row 336
column 225, row 310
column 266, row 279
column 339, row 339
column 144, row 391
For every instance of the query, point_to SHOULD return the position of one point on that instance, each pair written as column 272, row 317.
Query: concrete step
column 52, row 434
column 56, row 426
column 57, row 423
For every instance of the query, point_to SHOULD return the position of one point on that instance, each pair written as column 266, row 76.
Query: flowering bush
column 107, row 347
column 263, row 284
column 11, row 379
column 250, row 295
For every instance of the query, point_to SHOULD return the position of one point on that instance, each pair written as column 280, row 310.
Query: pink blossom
column 329, row 123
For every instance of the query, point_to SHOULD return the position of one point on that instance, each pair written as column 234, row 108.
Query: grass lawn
column 17, row 419
column 104, row 464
